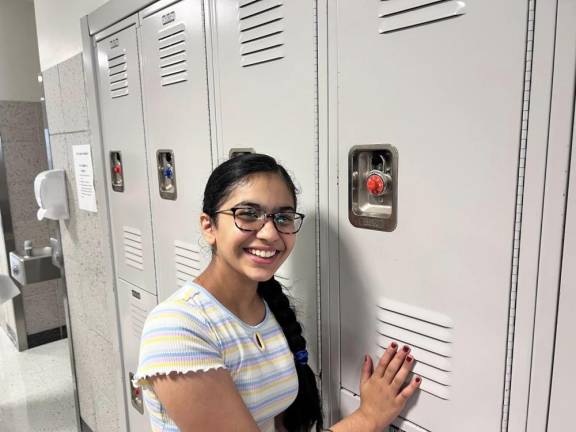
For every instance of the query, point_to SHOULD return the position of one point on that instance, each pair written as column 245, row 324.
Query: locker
column 264, row 65
column 425, row 113
column 423, row 86
column 135, row 305
column 178, row 136
column 125, row 154
column 561, row 404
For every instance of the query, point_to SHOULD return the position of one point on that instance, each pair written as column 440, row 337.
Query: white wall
column 58, row 27
column 19, row 67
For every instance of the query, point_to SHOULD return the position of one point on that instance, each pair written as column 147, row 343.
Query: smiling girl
column 226, row 352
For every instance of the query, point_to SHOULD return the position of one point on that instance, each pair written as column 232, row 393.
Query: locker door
column 136, row 304
column 264, row 58
column 442, row 83
column 561, row 408
column 178, row 136
column 125, row 156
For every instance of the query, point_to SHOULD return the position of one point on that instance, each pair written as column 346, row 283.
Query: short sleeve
column 176, row 338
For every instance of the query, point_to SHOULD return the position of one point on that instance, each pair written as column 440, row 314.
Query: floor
column 36, row 391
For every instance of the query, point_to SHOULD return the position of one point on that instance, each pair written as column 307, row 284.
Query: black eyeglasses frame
column 262, row 218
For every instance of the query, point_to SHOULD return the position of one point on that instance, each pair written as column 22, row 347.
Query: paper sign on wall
column 84, row 173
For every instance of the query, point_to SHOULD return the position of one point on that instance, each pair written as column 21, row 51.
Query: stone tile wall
column 24, row 152
column 90, row 288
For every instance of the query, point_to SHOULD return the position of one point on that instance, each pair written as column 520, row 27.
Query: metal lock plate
column 239, row 152
column 116, row 171
column 166, row 174
column 373, row 187
column 136, row 395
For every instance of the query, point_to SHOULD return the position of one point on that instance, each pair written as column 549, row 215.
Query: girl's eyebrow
column 260, row 207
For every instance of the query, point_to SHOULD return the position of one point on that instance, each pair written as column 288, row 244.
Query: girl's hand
column 383, row 392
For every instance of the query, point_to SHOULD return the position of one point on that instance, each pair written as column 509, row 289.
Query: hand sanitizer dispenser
column 50, row 191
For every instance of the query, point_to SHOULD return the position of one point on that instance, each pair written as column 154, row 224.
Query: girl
column 225, row 352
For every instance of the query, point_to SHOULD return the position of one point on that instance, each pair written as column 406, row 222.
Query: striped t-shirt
column 192, row 331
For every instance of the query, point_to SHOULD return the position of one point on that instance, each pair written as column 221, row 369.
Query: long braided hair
column 306, row 410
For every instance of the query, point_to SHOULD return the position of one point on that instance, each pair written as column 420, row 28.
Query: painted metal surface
column 560, row 412
column 123, row 131
column 269, row 105
column 177, row 124
column 135, row 305
column 451, row 252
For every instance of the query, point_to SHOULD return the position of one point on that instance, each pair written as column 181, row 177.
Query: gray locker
column 430, row 99
column 177, row 134
column 125, row 155
column 135, row 305
column 265, row 91
column 563, row 381
column 561, row 404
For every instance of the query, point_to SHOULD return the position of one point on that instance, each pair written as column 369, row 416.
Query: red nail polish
column 394, row 345
column 418, row 379
column 405, row 349
column 409, row 359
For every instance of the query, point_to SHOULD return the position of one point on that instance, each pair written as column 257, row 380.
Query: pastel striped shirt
column 191, row 331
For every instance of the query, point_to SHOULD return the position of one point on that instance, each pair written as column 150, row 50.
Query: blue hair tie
column 301, row 357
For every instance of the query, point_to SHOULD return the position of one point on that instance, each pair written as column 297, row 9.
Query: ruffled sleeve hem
column 143, row 380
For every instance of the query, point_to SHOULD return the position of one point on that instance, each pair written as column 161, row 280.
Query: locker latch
column 166, row 174
column 116, row 171
column 238, row 151
column 136, row 395
column 373, row 187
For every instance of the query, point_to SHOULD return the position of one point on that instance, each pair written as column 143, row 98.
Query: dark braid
column 307, row 408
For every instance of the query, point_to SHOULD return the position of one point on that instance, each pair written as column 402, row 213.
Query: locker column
column 264, row 68
column 124, row 152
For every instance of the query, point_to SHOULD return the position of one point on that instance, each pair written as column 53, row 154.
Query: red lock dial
column 375, row 184
column 118, row 169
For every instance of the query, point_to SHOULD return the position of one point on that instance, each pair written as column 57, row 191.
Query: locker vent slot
column 118, row 75
column 133, row 250
column 430, row 336
column 402, row 14
column 172, row 55
column 137, row 318
column 261, row 31
column 187, row 260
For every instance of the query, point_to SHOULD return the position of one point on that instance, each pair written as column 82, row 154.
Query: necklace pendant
column 259, row 341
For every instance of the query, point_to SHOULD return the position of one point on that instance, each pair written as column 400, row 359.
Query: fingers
column 367, row 369
column 386, row 359
column 395, row 364
column 409, row 390
column 400, row 378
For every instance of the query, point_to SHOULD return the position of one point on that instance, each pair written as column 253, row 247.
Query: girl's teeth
column 261, row 253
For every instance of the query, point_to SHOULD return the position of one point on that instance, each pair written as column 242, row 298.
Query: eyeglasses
column 253, row 219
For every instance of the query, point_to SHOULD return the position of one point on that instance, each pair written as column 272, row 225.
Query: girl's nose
column 268, row 230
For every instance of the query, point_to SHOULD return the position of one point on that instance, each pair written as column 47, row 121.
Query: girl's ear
column 207, row 228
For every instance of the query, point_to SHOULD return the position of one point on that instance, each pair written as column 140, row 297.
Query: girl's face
column 256, row 255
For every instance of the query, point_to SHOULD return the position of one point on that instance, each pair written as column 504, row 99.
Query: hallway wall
column 24, row 153
column 19, row 65
column 90, row 289
column 58, row 26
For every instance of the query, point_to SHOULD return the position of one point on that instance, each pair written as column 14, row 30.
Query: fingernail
column 365, row 358
column 418, row 380
column 394, row 345
column 409, row 359
column 405, row 349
